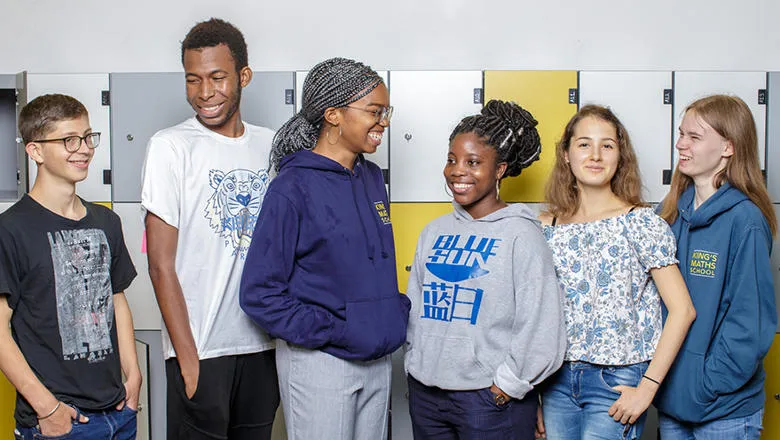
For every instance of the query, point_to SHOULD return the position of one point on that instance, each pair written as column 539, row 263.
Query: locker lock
column 408, row 137
column 777, row 396
column 408, row 268
column 130, row 138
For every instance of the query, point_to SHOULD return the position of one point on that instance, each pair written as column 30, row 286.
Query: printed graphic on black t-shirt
column 85, row 310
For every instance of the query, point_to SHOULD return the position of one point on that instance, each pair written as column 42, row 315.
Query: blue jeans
column 439, row 414
column 102, row 425
column 576, row 401
column 747, row 428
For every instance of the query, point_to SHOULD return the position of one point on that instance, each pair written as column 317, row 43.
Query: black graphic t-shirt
column 59, row 276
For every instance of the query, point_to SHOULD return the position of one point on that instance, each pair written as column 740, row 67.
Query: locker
column 142, row 417
column 5, row 205
column 773, row 137
column 546, row 95
column 9, row 148
column 637, row 98
column 140, row 294
column 381, row 156
column 428, row 106
column 144, row 103
column 776, row 268
column 689, row 86
column 87, row 88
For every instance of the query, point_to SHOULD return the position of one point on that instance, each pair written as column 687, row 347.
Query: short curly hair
column 214, row 32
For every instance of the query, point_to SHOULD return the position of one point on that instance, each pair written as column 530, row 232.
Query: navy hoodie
column 320, row 271
column 723, row 248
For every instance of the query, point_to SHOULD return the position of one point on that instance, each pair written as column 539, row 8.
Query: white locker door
column 773, row 137
column 428, row 105
column 88, row 89
column 381, row 155
column 637, row 98
column 140, row 294
column 690, row 86
column 5, row 205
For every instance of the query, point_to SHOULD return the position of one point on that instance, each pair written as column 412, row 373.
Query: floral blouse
column 611, row 305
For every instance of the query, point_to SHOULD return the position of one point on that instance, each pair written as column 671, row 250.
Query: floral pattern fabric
column 611, row 305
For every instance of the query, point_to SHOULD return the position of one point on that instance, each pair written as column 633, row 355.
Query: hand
column 539, row 432
column 190, row 373
column 499, row 392
column 61, row 422
column 132, row 392
column 631, row 404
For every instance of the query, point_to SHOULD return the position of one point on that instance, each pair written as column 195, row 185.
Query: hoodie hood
column 512, row 210
column 725, row 198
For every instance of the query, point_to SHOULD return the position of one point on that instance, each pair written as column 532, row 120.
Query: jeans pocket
column 487, row 397
column 629, row 375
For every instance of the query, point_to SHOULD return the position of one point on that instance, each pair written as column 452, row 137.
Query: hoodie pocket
column 683, row 395
column 451, row 360
column 375, row 327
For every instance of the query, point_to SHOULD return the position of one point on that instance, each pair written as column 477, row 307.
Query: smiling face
column 593, row 154
column 360, row 131
column 703, row 152
column 54, row 161
column 471, row 174
column 214, row 87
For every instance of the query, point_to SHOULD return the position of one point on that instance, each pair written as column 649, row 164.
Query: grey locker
column 637, row 98
column 144, row 103
column 689, row 86
column 381, row 156
column 428, row 105
column 87, row 88
column 9, row 149
column 773, row 137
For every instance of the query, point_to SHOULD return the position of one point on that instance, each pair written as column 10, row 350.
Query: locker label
column 289, row 96
column 574, row 96
column 105, row 97
column 668, row 100
column 761, row 96
column 478, row 96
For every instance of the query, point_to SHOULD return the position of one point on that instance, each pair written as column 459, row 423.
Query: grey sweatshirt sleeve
column 539, row 335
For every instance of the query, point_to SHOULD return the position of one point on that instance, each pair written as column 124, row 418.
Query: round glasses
column 73, row 143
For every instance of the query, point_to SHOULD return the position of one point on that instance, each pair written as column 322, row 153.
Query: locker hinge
column 762, row 96
column 289, row 96
column 668, row 96
column 574, row 96
column 106, row 177
column 105, row 97
column 479, row 96
column 667, row 177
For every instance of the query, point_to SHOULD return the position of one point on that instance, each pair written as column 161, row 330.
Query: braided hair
column 336, row 82
column 508, row 128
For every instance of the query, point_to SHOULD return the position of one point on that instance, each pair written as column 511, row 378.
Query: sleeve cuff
column 511, row 384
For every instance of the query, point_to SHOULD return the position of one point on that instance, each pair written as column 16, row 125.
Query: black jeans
column 236, row 399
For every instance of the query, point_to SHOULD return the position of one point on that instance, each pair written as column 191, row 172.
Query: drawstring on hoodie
column 367, row 199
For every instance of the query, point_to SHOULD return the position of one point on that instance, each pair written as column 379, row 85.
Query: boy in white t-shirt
column 203, row 185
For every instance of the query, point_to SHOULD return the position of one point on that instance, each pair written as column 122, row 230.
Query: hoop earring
column 447, row 191
column 327, row 136
column 498, row 196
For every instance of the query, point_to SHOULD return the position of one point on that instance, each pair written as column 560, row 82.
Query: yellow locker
column 546, row 95
column 772, row 386
column 408, row 220
column 7, row 405
column 108, row 205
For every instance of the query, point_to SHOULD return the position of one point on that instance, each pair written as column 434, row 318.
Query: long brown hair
column 731, row 118
column 562, row 194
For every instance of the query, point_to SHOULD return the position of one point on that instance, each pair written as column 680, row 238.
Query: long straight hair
column 562, row 194
column 731, row 118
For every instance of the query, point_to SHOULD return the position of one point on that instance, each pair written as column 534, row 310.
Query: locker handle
column 408, row 268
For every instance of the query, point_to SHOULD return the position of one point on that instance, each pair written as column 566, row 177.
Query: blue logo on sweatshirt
column 456, row 259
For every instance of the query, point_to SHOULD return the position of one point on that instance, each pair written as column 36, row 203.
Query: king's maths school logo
column 703, row 264
column 382, row 212
column 455, row 259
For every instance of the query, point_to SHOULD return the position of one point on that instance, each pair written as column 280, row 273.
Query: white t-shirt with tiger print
column 211, row 188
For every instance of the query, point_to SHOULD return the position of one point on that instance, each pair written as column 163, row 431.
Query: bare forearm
column 126, row 336
column 21, row 376
column 173, row 308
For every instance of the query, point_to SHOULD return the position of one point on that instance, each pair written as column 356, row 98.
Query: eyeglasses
column 381, row 114
column 73, row 143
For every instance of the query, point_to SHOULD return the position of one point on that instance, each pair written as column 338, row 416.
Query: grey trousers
column 328, row 398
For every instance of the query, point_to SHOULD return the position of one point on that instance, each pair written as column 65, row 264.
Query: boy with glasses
column 66, row 332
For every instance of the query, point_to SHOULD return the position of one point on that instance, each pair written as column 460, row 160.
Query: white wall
column 78, row 36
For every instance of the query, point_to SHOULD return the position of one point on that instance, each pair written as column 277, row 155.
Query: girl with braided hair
column 486, row 324
column 613, row 256
column 320, row 272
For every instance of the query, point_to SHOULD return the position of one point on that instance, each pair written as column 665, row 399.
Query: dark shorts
column 236, row 398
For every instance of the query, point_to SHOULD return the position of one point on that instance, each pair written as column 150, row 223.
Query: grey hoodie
column 486, row 304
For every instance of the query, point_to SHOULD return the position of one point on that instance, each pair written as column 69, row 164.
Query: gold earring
column 327, row 136
column 498, row 197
